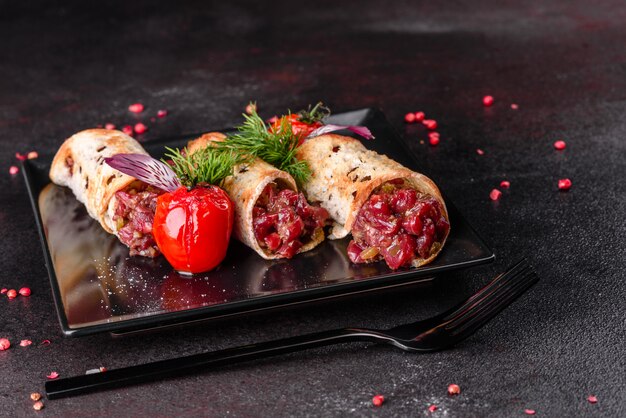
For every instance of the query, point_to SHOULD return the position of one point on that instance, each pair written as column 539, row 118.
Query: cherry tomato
column 299, row 128
column 192, row 227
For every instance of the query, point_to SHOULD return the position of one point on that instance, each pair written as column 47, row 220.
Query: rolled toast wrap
column 79, row 164
column 344, row 175
column 245, row 187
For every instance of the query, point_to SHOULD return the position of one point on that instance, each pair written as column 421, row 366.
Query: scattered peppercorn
column 559, row 145
column 3, row 291
column 32, row 155
column 529, row 411
column 378, row 400
column 419, row 116
column 592, row 399
column 454, row 389
column 109, row 126
column 13, row 170
column 409, row 117
column 488, row 100
column 128, row 130
column 495, row 194
column 136, row 108
column 514, row 106
column 480, row 152
column 251, row 108
column 35, row 396
column 12, row 294
column 5, row 344
column 432, row 408
column 430, row 124
column 505, row 184
column 162, row 113
column 38, row 406
column 25, row 343
column 140, row 128
column 564, row 184
column 25, row 291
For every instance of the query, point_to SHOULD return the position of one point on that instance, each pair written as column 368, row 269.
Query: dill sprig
column 276, row 146
column 207, row 165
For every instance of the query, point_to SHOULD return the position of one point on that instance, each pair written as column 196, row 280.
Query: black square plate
column 97, row 287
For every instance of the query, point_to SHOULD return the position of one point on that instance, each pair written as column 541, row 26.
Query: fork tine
column 495, row 305
column 488, row 291
column 509, row 287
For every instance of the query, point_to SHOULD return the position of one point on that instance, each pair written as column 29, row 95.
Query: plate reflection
column 99, row 282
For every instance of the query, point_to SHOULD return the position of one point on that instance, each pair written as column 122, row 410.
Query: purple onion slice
column 147, row 169
column 359, row 130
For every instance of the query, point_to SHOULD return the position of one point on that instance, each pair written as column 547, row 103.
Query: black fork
column 437, row 333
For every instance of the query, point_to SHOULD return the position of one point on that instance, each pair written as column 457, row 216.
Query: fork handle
column 141, row 373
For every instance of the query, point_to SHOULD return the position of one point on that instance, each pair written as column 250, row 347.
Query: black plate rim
column 261, row 303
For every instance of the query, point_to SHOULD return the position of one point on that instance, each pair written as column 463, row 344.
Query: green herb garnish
column 208, row 165
column 275, row 146
column 316, row 114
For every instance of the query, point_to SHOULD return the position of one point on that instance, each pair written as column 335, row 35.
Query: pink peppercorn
column 565, row 184
column 409, row 118
column 251, row 108
column 592, row 399
column 559, row 145
column 32, row 155
column 488, row 100
column 3, row 291
column 430, row 124
column 25, row 291
column 136, row 108
column 162, row 113
column 514, row 106
column 419, row 116
column 378, row 400
column 4, row 344
column 505, row 184
column 12, row 294
column 432, row 408
column 529, row 411
column 25, row 343
column 480, row 152
column 140, row 128
column 128, row 130
column 433, row 140
column 109, row 126
column 495, row 194
column 454, row 389
column 13, row 170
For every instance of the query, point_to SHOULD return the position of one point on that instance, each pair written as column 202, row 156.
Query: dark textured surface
column 63, row 69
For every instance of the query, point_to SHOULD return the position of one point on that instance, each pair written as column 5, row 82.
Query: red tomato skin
column 192, row 228
column 300, row 129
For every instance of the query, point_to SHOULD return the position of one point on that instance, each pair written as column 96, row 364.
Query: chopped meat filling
column 284, row 221
column 397, row 224
column 134, row 216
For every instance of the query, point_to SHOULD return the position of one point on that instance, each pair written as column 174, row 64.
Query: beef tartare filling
column 397, row 224
column 284, row 221
column 134, row 216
